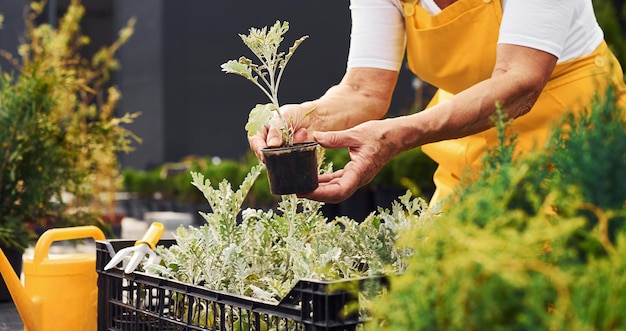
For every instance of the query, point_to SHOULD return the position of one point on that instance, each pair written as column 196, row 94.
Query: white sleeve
column 377, row 39
column 563, row 28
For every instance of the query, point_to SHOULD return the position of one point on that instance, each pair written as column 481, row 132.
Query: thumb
column 332, row 139
column 273, row 138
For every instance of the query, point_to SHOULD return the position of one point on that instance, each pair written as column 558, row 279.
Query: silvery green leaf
column 271, row 250
column 262, row 294
column 250, row 213
column 293, row 48
column 237, row 67
column 266, row 75
column 332, row 254
column 259, row 116
column 159, row 270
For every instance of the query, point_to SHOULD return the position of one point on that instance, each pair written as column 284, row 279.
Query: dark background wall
column 171, row 70
column 171, row 67
column 12, row 28
column 142, row 82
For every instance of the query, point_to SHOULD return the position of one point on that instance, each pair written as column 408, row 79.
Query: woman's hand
column 297, row 114
column 371, row 147
column 363, row 94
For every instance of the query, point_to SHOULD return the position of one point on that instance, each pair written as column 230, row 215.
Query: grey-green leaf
column 259, row 116
column 236, row 67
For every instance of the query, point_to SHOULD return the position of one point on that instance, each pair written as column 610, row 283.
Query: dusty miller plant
column 265, row 254
column 265, row 43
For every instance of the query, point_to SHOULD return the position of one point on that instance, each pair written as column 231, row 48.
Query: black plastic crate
column 139, row 301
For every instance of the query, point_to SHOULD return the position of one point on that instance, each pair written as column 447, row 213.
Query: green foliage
column 292, row 243
column 265, row 43
column 338, row 157
column 259, row 117
column 600, row 291
column 33, row 165
column 529, row 245
column 596, row 154
column 260, row 195
column 411, row 170
column 142, row 183
column 60, row 136
column 172, row 181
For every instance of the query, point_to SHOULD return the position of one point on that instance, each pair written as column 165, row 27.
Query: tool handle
column 59, row 234
column 152, row 236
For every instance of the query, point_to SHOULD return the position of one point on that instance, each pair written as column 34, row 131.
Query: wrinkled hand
column 369, row 150
column 270, row 136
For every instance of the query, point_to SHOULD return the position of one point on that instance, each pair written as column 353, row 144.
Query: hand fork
column 138, row 252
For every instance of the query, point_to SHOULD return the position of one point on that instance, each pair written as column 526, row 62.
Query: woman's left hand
column 370, row 149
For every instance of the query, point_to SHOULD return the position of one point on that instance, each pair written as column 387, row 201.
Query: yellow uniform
column 472, row 26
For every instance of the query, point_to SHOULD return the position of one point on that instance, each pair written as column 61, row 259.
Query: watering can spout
column 25, row 306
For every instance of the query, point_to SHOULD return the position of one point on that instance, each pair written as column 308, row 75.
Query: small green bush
column 534, row 244
column 60, row 136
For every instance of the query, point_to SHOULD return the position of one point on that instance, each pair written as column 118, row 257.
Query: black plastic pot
column 292, row 170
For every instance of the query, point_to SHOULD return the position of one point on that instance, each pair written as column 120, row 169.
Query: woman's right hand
column 270, row 136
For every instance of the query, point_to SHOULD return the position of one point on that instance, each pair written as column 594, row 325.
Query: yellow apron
column 456, row 49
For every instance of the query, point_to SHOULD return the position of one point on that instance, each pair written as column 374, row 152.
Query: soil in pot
column 293, row 169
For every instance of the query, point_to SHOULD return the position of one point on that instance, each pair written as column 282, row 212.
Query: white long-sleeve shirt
column 565, row 28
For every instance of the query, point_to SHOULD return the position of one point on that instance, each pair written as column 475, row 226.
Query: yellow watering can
column 60, row 292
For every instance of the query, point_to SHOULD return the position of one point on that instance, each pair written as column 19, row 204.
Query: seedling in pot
column 265, row 43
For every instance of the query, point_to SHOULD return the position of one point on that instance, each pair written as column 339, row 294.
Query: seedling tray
column 140, row 301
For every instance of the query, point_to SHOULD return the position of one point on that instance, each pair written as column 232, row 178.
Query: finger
column 303, row 135
column 325, row 178
column 334, row 139
column 257, row 143
column 273, row 137
column 335, row 187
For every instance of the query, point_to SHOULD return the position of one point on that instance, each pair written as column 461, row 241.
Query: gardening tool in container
column 60, row 292
column 130, row 257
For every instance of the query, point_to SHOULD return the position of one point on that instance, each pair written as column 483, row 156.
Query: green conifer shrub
column 534, row 244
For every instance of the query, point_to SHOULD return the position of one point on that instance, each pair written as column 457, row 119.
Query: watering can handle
column 77, row 232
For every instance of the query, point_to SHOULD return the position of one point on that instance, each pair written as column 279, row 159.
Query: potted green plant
column 292, row 167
